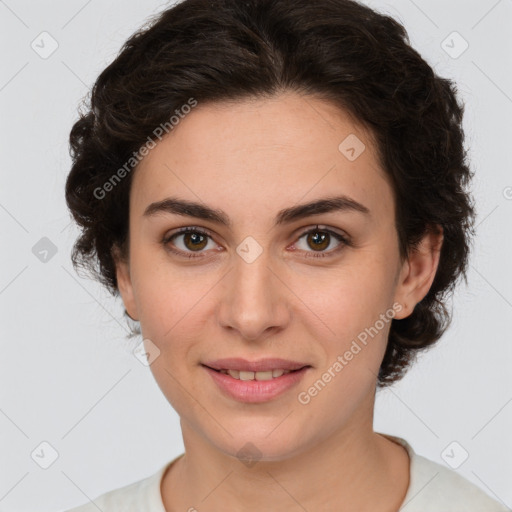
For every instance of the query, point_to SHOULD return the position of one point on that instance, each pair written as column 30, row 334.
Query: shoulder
column 434, row 487
column 141, row 495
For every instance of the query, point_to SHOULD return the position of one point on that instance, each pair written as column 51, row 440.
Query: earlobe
column 124, row 285
column 418, row 272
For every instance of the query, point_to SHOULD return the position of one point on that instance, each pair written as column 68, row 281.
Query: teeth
column 243, row 375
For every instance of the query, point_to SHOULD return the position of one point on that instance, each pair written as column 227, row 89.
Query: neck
column 355, row 468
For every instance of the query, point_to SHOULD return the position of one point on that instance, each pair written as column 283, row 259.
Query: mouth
column 260, row 365
column 257, row 381
column 260, row 375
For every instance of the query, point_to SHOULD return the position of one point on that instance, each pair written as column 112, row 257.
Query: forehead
column 261, row 155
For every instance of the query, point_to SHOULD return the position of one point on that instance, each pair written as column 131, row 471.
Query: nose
column 254, row 299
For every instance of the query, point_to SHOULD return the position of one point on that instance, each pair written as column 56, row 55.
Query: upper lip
column 261, row 365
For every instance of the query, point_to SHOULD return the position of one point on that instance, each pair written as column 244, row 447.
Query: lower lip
column 256, row 391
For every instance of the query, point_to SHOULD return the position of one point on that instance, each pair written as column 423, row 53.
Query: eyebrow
column 183, row 207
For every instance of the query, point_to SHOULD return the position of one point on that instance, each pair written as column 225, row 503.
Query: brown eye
column 194, row 241
column 319, row 240
column 188, row 241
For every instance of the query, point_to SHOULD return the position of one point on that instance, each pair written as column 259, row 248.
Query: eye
column 320, row 240
column 193, row 240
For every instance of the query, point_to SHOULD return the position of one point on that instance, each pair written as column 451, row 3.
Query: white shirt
column 432, row 488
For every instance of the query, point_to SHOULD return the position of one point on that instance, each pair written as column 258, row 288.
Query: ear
column 124, row 283
column 418, row 271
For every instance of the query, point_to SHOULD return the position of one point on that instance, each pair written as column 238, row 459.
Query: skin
column 251, row 159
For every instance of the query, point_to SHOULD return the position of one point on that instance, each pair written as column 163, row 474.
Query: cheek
column 172, row 317
column 351, row 308
column 168, row 299
column 346, row 299
column 354, row 308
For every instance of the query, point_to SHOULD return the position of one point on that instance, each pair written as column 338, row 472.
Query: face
column 260, row 277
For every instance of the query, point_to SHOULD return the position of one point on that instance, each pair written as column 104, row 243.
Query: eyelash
column 191, row 229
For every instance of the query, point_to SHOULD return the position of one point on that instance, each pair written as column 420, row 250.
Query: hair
column 228, row 50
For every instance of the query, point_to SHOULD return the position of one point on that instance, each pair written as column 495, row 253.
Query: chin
column 260, row 441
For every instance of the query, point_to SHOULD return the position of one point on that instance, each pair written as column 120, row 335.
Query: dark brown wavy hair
column 338, row 50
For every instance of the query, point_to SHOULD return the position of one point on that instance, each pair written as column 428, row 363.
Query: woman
column 276, row 189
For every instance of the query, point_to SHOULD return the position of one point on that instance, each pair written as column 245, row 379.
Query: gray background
column 68, row 375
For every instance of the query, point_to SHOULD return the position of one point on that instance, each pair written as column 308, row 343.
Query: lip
column 256, row 391
column 261, row 365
